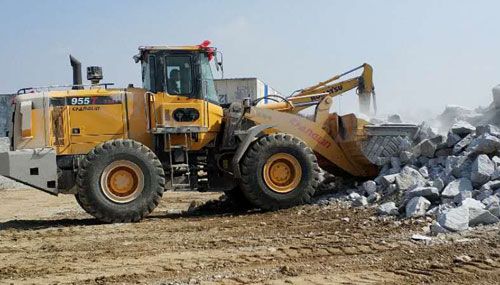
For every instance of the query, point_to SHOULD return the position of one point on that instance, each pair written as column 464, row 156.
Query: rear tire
column 279, row 171
column 120, row 181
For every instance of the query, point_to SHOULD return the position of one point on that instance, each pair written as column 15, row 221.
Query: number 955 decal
column 80, row 101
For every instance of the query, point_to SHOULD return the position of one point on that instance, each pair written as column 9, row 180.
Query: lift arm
column 325, row 90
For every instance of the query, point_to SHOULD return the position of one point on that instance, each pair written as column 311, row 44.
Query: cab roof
column 187, row 48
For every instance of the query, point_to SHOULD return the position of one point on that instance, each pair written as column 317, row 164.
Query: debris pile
column 451, row 174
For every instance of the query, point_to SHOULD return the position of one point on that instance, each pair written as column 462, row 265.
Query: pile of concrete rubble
column 453, row 177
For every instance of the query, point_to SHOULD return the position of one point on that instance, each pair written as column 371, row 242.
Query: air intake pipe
column 77, row 73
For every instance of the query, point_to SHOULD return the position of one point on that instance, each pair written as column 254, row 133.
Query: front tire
column 279, row 171
column 120, row 181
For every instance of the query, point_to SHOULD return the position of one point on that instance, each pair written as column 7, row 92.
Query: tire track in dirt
column 306, row 244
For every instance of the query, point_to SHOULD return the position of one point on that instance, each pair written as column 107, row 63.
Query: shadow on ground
column 220, row 207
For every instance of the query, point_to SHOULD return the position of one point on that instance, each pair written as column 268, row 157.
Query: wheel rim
column 282, row 173
column 122, row 181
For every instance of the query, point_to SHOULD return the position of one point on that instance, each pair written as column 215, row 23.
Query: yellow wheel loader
column 118, row 149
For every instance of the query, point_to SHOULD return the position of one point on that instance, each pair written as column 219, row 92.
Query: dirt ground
column 49, row 240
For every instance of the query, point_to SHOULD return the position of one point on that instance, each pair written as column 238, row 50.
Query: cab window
column 179, row 75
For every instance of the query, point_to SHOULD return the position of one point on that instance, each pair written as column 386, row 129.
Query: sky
column 425, row 54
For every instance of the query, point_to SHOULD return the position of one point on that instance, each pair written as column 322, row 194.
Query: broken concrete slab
column 462, row 128
column 456, row 219
column 417, row 207
column 425, row 148
column 462, row 144
column 482, row 169
column 409, row 178
column 388, row 209
column 456, row 186
column 430, row 193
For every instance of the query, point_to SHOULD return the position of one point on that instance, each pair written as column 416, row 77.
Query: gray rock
column 436, row 229
column 485, row 143
column 496, row 174
column 456, row 186
column 425, row 131
column 456, row 219
column 388, row 209
column 444, row 152
column 496, row 161
column 391, row 189
column 361, row 201
column 417, row 207
column 369, row 187
column 483, row 195
column 481, row 217
column 495, row 211
column 420, row 237
column 491, row 200
column 462, row 144
column 452, row 139
column 387, row 180
column 470, row 203
column 396, row 163
column 462, row 128
column 424, row 171
column 373, row 198
column 458, row 166
column 405, row 156
column 482, row 169
column 438, row 183
column 490, row 185
column 425, row 148
column 409, row 178
column 353, row 196
column 440, row 142
column 431, row 193
column 462, row 196
column 488, row 129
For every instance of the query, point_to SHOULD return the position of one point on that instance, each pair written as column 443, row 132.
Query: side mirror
column 219, row 64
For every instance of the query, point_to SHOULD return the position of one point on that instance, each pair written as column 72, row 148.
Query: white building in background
column 237, row 89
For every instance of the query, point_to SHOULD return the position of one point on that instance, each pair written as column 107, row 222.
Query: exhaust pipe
column 77, row 73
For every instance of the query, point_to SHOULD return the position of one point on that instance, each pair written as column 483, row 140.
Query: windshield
column 208, row 81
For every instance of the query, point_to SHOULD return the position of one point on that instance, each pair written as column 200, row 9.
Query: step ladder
column 180, row 168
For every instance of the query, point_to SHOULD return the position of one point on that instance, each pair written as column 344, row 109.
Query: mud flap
column 33, row 167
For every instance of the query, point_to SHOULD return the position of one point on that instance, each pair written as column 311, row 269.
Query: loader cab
column 180, row 95
column 179, row 72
